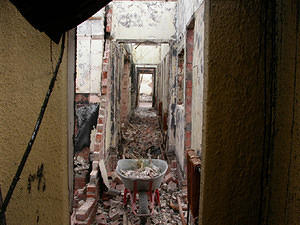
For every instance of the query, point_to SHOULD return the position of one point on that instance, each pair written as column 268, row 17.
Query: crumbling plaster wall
column 146, row 54
column 25, row 73
column 185, row 11
column 90, row 40
column 144, row 20
column 164, row 76
column 198, row 80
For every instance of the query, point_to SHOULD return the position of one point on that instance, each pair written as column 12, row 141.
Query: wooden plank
column 180, row 211
column 3, row 222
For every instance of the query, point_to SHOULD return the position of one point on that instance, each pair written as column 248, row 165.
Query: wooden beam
column 181, row 211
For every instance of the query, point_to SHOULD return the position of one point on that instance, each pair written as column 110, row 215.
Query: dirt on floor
column 140, row 138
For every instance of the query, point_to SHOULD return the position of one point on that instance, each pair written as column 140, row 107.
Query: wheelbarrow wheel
column 143, row 220
column 143, row 207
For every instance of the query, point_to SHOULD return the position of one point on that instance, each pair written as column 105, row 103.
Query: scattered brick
column 101, row 219
column 172, row 186
column 120, row 187
column 84, row 210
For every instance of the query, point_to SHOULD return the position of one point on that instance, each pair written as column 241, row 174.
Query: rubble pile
column 112, row 211
column 141, row 135
column 81, row 166
column 141, row 139
column 143, row 172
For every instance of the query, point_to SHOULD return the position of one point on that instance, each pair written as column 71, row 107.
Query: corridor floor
column 140, row 136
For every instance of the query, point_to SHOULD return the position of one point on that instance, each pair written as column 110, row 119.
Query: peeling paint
column 143, row 20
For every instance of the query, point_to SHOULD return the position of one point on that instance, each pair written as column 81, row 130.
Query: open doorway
column 145, row 90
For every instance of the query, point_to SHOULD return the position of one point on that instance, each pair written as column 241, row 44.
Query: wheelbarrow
column 146, row 188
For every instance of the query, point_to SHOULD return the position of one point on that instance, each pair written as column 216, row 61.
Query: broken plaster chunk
column 114, row 213
column 95, row 165
column 172, row 186
column 101, row 219
column 104, row 173
column 93, row 176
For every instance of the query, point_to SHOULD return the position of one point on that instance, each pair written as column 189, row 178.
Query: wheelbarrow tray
column 142, row 184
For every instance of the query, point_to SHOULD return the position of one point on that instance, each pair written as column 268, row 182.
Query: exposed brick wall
column 89, row 192
column 85, row 214
column 188, row 87
column 125, row 93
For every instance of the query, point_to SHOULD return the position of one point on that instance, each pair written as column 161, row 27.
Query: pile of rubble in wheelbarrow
column 172, row 209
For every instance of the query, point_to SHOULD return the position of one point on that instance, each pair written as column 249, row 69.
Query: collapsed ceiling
column 54, row 17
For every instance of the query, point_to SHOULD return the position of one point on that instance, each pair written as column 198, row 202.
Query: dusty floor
column 141, row 136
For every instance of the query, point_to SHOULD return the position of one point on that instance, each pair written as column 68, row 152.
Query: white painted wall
column 146, row 54
column 90, row 41
column 144, row 20
column 185, row 10
column 146, row 84
column 165, row 48
column 198, row 80
column 179, row 139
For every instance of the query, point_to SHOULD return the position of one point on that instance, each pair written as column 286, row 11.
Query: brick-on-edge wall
column 86, row 213
column 188, row 87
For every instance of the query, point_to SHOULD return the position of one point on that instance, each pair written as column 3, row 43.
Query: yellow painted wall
column 234, row 116
column 284, row 205
column 251, row 115
column 25, row 73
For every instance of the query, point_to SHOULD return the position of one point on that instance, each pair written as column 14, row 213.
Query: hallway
column 140, row 137
column 210, row 87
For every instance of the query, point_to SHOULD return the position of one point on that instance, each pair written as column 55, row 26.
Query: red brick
column 100, row 128
column 101, row 111
column 189, row 67
column 84, row 153
column 84, row 211
column 104, row 82
column 91, row 188
column 187, row 143
column 189, row 83
column 104, row 75
column 188, row 100
column 174, row 164
column 189, row 56
column 188, row 118
column 79, row 182
column 187, row 134
column 101, row 120
column 97, row 147
column 99, row 137
column 104, row 90
column 188, row 109
column 189, row 92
